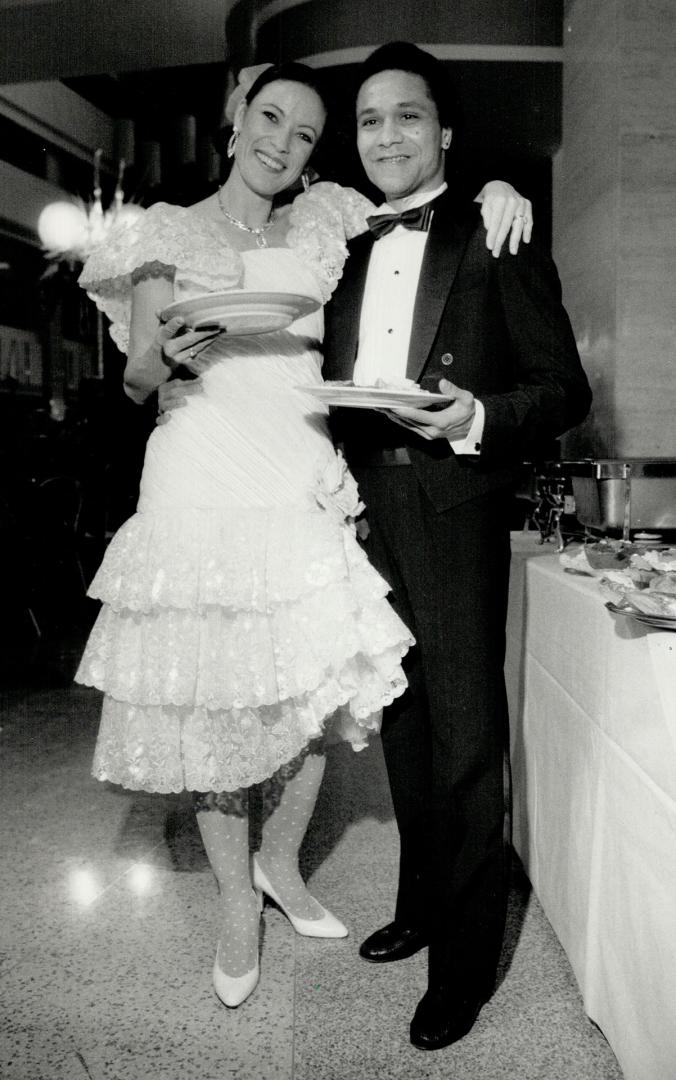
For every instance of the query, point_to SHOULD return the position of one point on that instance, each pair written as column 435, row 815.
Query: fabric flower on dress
column 337, row 491
column 245, row 80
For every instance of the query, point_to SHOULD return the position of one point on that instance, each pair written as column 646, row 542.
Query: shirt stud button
column 447, row 359
column 390, row 330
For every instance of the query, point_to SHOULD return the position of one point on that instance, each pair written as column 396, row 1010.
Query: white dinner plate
column 375, row 397
column 240, row 313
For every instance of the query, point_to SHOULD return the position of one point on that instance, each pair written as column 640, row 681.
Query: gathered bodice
column 249, row 438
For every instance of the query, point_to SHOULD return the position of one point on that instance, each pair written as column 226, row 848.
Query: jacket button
column 447, row 359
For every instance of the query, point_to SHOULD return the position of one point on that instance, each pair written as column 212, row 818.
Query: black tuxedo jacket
column 512, row 345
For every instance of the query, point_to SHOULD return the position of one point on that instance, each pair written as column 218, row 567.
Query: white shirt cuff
column 471, row 444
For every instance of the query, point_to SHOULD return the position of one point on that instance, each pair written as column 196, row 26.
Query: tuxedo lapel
column 444, row 250
column 346, row 314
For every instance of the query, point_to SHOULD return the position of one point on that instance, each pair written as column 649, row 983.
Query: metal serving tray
column 625, row 494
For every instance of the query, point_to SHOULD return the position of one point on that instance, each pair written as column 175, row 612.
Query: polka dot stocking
column 226, row 840
column 288, row 815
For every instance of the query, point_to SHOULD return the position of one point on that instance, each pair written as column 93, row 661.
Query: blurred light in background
column 140, row 878
column 71, row 230
column 84, row 887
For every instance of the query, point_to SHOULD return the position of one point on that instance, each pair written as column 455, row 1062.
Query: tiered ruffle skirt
column 227, row 642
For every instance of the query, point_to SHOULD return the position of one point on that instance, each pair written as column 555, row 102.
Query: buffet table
column 593, row 712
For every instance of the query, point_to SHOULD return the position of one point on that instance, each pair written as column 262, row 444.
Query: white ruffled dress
column 240, row 617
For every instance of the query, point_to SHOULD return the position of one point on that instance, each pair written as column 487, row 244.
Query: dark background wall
column 505, row 59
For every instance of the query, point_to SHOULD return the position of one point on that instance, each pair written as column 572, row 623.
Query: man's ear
column 446, row 138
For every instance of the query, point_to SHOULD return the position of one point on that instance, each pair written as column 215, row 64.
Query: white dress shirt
column 387, row 309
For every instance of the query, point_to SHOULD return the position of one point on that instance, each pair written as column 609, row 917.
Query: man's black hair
column 404, row 56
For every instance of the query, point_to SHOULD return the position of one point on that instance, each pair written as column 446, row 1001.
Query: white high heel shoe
column 327, row 926
column 234, row 990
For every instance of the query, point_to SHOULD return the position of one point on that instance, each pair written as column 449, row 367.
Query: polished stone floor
column 108, row 922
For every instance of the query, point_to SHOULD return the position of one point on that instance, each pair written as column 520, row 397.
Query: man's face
column 399, row 136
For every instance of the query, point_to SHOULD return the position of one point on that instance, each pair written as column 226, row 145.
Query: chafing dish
column 625, row 495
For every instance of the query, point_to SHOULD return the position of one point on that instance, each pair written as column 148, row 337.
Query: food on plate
column 630, row 575
column 664, row 583
column 652, row 602
column 653, row 594
column 664, row 560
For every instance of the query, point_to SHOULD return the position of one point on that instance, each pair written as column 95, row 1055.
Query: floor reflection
column 109, row 924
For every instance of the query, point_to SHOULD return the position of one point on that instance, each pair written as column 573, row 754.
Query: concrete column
column 615, row 219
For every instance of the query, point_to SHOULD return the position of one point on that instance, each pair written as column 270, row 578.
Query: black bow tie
column 418, row 217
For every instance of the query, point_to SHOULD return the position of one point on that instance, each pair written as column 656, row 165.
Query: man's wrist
column 454, row 434
column 470, row 443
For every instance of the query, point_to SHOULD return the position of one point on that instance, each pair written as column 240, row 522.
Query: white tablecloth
column 593, row 712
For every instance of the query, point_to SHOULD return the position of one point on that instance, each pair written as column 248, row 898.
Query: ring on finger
column 192, row 354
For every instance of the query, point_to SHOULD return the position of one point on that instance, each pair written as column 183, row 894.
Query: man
column 419, row 299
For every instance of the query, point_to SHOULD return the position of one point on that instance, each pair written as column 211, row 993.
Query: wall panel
column 615, row 219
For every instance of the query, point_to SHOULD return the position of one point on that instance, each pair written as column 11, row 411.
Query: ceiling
column 62, row 39
column 149, row 60
column 146, row 60
column 154, row 98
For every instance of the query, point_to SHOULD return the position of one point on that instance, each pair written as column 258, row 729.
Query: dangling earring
column 305, row 180
column 232, row 142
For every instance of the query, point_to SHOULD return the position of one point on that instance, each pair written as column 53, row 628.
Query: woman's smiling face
column 278, row 131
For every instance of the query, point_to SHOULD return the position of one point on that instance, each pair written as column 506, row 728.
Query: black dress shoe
column 442, row 1018
column 393, row 942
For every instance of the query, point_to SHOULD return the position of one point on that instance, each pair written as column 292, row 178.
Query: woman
column 241, row 620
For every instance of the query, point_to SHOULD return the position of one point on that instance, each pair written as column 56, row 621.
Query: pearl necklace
column 257, row 230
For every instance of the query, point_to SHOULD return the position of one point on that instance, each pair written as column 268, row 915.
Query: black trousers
column 446, row 740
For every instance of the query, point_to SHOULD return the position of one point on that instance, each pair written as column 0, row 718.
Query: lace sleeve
column 164, row 236
column 322, row 220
